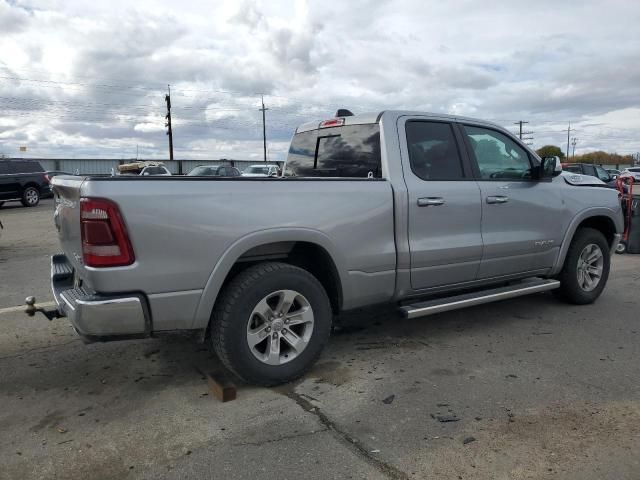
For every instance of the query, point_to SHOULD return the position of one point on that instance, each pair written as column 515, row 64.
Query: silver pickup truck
column 426, row 211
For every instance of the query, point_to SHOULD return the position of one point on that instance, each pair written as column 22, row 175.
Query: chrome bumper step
column 455, row 302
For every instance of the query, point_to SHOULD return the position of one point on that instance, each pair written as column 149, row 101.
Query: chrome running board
column 455, row 302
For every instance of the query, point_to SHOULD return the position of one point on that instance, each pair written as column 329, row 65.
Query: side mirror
column 549, row 167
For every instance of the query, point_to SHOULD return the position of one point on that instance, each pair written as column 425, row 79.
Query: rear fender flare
column 252, row 240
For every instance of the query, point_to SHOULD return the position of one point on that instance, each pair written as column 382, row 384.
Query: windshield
column 257, row 169
column 634, row 170
column 203, row 170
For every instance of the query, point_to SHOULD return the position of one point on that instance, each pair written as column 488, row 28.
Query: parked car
column 631, row 172
column 261, row 171
column 143, row 169
column 593, row 170
column 613, row 172
column 214, row 171
column 23, row 181
column 427, row 212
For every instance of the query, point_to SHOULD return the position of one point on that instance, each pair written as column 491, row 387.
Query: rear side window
column 433, row 151
column 573, row 168
column 22, row 167
column 346, row 151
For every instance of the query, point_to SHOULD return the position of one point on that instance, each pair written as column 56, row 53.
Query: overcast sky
column 85, row 79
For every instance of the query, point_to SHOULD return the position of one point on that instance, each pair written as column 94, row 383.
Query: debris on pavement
column 389, row 399
column 221, row 386
column 468, row 440
column 445, row 418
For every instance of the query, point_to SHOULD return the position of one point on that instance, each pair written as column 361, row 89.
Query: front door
column 521, row 217
column 444, row 210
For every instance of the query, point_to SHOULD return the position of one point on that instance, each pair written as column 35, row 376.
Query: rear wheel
column 271, row 323
column 586, row 267
column 30, row 197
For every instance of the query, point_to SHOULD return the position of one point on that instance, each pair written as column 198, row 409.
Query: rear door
column 9, row 180
column 444, row 208
column 522, row 219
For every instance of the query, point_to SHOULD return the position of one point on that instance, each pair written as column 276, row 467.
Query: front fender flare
column 614, row 215
column 255, row 239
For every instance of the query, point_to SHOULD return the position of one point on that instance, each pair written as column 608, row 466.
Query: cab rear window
column 351, row 151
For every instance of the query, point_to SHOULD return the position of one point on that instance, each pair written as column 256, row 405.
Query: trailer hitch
column 32, row 309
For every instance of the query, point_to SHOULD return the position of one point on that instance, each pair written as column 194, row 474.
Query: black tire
column 1, row 204
column 233, row 312
column 30, row 197
column 621, row 247
column 570, row 289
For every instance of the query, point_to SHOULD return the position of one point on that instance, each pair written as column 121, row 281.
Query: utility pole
column 527, row 140
column 520, row 123
column 167, row 99
column 264, row 128
column 568, row 133
column 574, row 140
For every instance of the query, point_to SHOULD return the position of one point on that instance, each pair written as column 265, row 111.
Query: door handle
column 497, row 199
column 430, row 201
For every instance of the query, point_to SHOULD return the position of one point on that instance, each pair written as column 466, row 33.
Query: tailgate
column 66, row 191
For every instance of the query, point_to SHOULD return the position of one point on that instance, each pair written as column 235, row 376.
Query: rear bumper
column 94, row 316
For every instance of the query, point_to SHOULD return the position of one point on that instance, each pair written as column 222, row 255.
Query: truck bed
column 183, row 228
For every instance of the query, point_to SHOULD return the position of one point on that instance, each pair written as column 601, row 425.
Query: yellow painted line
column 21, row 308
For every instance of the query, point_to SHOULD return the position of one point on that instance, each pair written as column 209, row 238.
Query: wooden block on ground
column 221, row 386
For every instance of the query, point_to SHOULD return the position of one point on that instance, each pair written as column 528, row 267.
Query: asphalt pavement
column 525, row 388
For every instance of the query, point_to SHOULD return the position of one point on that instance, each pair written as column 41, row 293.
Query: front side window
column 497, row 155
column 345, row 151
column 433, row 151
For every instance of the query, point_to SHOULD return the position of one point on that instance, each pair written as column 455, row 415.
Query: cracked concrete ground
column 536, row 389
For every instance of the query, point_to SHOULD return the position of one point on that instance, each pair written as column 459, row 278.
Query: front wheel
column 271, row 323
column 30, row 197
column 586, row 267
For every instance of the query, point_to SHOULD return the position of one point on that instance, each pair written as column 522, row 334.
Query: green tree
column 550, row 151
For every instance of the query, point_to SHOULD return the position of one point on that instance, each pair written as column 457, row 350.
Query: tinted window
column 603, row 174
column 433, row 152
column 154, row 171
column 573, row 168
column 349, row 151
column 4, row 167
column 21, row 167
column 589, row 170
column 498, row 156
column 203, row 171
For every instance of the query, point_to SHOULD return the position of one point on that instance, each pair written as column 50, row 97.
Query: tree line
column 599, row 157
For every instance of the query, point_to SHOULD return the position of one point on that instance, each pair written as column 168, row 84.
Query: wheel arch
column 305, row 248
column 605, row 220
column 31, row 184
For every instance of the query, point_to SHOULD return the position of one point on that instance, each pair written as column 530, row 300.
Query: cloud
column 13, row 19
column 86, row 78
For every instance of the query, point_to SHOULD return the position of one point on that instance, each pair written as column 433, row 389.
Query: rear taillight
column 105, row 242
